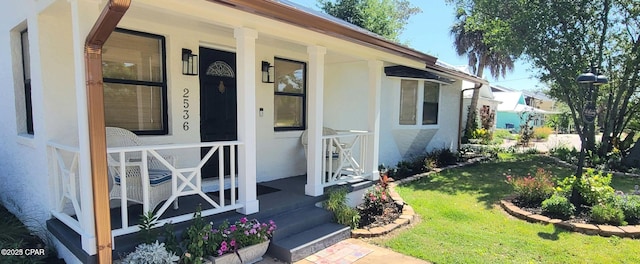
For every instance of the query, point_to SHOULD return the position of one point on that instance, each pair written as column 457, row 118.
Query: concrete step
column 296, row 247
column 299, row 220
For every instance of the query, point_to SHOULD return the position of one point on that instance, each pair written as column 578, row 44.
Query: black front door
column 218, row 104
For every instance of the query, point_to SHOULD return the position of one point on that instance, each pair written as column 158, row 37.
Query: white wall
column 403, row 142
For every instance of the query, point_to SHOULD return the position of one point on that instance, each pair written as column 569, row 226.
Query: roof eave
column 290, row 15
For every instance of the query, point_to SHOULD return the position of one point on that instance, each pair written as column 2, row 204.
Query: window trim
column 163, row 85
column 302, row 95
column 419, row 105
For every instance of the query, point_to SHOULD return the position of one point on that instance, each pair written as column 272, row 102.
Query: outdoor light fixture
column 591, row 79
column 189, row 62
column 267, row 72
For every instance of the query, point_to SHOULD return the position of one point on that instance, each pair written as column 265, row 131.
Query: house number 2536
column 185, row 110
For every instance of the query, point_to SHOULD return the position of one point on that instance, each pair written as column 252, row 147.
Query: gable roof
column 510, row 100
column 291, row 13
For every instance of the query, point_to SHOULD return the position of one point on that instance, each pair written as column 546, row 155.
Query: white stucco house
column 218, row 92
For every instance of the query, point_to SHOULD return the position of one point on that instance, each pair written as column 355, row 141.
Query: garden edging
column 629, row 231
column 408, row 214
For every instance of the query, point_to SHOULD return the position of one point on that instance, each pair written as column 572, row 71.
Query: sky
column 428, row 32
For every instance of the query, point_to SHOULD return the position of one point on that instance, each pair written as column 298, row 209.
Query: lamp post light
column 591, row 79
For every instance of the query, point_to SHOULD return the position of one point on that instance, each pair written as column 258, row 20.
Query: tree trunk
column 473, row 107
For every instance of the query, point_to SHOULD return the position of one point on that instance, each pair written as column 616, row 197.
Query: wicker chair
column 159, row 175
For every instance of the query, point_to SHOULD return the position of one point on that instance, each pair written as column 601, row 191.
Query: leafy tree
column 384, row 17
column 563, row 38
column 469, row 39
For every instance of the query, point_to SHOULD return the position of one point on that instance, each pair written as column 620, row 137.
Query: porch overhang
column 291, row 13
column 408, row 72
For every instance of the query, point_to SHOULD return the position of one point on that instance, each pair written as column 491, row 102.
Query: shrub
column 532, row 190
column 558, row 206
column 441, row 158
column 607, row 213
column 410, row 167
column 595, row 187
column 630, row 205
column 565, row 154
column 542, row 133
column 337, row 204
column 153, row 253
column 482, row 134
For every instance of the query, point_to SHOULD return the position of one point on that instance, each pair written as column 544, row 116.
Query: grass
column 461, row 221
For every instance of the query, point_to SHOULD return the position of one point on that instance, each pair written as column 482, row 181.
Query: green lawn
column 461, row 221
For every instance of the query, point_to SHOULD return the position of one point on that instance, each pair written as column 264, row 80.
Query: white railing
column 186, row 179
column 64, row 161
column 346, row 154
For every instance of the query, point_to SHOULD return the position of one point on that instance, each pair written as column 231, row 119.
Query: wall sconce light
column 189, row 62
column 267, row 72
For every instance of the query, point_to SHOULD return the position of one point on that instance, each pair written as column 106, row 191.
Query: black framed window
column 290, row 92
column 26, row 73
column 135, row 83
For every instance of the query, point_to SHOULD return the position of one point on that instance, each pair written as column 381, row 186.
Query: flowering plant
column 376, row 197
column 532, row 190
column 231, row 237
column 205, row 240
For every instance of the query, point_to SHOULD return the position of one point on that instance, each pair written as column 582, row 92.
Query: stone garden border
column 408, row 214
column 630, row 231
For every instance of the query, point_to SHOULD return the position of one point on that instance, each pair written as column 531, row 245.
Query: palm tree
column 480, row 55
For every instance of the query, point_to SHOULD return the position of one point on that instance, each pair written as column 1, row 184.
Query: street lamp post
column 592, row 78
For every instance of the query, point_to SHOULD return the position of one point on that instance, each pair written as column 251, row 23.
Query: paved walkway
column 554, row 141
column 353, row 251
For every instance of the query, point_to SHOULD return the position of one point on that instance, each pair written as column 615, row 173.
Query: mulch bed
column 580, row 217
column 371, row 218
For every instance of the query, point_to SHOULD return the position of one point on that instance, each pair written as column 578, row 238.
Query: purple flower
column 243, row 220
column 233, row 228
column 232, row 243
column 223, row 246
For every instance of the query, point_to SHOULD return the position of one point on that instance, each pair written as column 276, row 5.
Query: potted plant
column 244, row 241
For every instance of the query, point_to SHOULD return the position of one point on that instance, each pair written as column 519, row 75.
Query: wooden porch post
column 246, row 76
column 315, row 119
column 373, row 141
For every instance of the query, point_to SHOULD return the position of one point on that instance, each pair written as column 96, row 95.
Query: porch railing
column 346, row 156
column 186, row 179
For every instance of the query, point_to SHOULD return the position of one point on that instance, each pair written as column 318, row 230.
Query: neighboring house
column 516, row 107
column 487, row 106
column 265, row 72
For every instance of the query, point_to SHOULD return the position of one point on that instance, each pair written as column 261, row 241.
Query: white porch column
column 315, row 96
column 83, row 16
column 373, row 142
column 246, row 81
